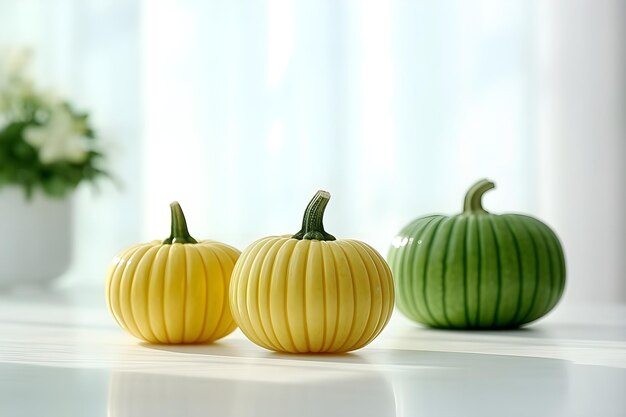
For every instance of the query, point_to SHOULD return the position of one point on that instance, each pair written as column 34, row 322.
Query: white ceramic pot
column 35, row 238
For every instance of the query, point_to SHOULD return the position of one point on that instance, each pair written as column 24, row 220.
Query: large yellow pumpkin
column 173, row 291
column 310, row 292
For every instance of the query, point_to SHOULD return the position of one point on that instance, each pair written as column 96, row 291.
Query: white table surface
column 62, row 355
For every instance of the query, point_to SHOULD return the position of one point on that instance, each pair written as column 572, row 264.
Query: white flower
column 14, row 63
column 15, row 83
column 60, row 139
column 16, row 60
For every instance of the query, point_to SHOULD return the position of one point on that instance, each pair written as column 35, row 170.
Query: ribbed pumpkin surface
column 477, row 270
column 173, row 293
column 311, row 296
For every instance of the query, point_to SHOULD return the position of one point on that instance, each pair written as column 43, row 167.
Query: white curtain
column 394, row 107
column 241, row 110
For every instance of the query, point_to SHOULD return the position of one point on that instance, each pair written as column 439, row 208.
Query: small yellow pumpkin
column 173, row 291
column 310, row 292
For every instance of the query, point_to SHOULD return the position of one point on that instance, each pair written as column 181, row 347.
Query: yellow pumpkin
column 310, row 292
column 173, row 291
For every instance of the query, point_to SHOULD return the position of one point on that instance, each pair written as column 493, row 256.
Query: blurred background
column 241, row 110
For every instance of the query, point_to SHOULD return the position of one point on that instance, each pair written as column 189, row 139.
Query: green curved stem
column 179, row 233
column 473, row 198
column 312, row 223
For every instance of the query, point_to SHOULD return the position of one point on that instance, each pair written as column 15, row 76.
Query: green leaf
column 19, row 161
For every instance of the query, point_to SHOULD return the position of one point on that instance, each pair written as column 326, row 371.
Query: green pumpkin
column 477, row 270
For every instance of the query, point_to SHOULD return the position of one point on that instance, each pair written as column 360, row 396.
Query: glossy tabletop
column 62, row 355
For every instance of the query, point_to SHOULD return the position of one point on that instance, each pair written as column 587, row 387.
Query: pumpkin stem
column 179, row 233
column 473, row 198
column 312, row 223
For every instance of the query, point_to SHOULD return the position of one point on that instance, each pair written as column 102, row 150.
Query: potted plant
column 47, row 149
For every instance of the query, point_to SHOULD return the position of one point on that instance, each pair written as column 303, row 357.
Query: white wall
column 582, row 147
